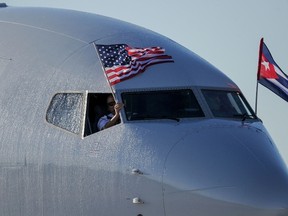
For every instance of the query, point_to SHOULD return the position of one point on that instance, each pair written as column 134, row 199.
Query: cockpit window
column 168, row 104
column 77, row 112
column 228, row 104
column 66, row 111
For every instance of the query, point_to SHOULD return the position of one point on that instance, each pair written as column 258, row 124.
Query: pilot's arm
column 110, row 120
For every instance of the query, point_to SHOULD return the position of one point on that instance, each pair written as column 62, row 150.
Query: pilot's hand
column 118, row 107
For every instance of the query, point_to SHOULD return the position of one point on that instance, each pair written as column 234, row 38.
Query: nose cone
column 232, row 170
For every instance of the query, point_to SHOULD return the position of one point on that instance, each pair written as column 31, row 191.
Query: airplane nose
column 232, row 170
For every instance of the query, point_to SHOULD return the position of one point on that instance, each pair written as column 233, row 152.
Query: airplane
column 188, row 143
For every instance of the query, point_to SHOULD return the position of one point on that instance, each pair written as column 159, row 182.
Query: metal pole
column 258, row 73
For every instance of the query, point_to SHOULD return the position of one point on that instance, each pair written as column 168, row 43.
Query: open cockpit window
column 228, row 104
column 77, row 112
column 161, row 104
column 96, row 108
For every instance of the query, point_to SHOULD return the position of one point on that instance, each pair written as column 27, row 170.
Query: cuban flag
column 270, row 74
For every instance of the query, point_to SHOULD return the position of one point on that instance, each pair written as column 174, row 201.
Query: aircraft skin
column 189, row 166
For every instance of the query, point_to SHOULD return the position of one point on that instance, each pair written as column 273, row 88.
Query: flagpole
column 112, row 90
column 256, row 98
column 258, row 73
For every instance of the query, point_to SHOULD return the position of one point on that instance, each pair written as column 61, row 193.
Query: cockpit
column 78, row 112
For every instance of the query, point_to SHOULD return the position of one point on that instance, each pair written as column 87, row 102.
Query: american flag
column 270, row 74
column 122, row 62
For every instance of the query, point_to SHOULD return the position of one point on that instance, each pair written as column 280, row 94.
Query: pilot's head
column 110, row 104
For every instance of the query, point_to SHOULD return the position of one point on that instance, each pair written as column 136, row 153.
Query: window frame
column 242, row 98
column 82, row 115
column 194, row 92
column 86, row 119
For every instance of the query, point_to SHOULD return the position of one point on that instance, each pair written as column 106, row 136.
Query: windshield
column 168, row 104
column 228, row 104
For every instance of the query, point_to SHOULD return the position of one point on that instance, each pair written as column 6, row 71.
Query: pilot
column 113, row 116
